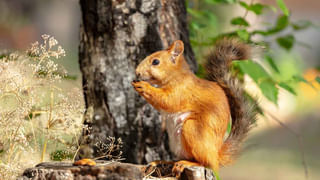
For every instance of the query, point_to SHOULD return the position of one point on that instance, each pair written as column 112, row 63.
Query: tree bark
column 115, row 35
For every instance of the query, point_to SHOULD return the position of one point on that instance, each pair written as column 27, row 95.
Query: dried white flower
column 61, row 51
column 45, row 37
column 52, row 42
column 29, row 86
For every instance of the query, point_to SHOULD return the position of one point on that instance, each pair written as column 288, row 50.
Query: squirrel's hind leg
column 201, row 143
column 179, row 166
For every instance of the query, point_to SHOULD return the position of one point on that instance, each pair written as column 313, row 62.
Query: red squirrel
column 197, row 111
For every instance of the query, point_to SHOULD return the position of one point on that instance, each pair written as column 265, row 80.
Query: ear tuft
column 176, row 49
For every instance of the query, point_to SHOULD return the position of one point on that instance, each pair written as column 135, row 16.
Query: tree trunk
column 115, row 35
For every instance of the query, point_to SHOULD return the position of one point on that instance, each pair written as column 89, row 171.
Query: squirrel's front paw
column 141, row 87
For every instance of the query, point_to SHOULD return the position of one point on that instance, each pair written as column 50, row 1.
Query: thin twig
column 149, row 174
column 247, row 11
column 12, row 143
column 78, row 148
column 44, row 148
column 32, row 128
column 300, row 142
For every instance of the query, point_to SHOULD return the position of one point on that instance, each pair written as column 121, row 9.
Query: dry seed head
column 26, row 82
column 52, row 42
column 45, row 37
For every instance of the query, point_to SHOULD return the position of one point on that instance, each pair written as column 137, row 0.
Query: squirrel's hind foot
column 85, row 162
column 179, row 167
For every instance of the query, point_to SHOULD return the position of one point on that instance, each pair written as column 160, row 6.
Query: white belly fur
column 174, row 123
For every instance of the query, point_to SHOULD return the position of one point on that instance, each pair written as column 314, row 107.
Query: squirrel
column 197, row 111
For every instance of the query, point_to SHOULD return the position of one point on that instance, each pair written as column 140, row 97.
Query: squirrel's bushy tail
column 242, row 112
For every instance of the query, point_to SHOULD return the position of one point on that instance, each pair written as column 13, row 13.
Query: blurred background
column 272, row 151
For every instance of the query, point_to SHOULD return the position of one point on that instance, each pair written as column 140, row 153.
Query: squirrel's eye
column 155, row 62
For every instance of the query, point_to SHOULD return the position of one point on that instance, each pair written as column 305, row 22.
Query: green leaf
column 239, row 21
column 3, row 56
column 244, row 4
column 318, row 79
column 281, row 24
column 287, row 87
column 243, row 34
column 269, row 89
column 253, row 69
column 299, row 78
column 286, row 41
column 196, row 26
column 201, row 73
column 283, row 7
column 230, row 1
column 195, row 13
column 260, row 76
column 203, row 18
column 300, row 25
column 272, row 64
column 229, row 127
column 256, row 8
column 212, row 18
column 274, row 9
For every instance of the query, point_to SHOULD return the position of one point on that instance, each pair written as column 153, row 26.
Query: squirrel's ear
column 176, row 49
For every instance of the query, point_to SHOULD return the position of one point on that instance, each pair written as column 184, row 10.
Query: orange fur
column 181, row 91
column 85, row 162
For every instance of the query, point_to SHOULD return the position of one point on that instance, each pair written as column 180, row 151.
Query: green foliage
column 60, row 155
column 229, row 127
column 272, row 64
column 318, row 79
column 281, row 24
column 287, row 87
column 260, row 76
column 286, row 41
column 253, row 69
column 243, row 34
column 301, row 25
column 201, row 71
column 283, row 7
column 270, row 90
column 266, row 74
column 239, row 21
column 256, row 8
column 298, row 78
